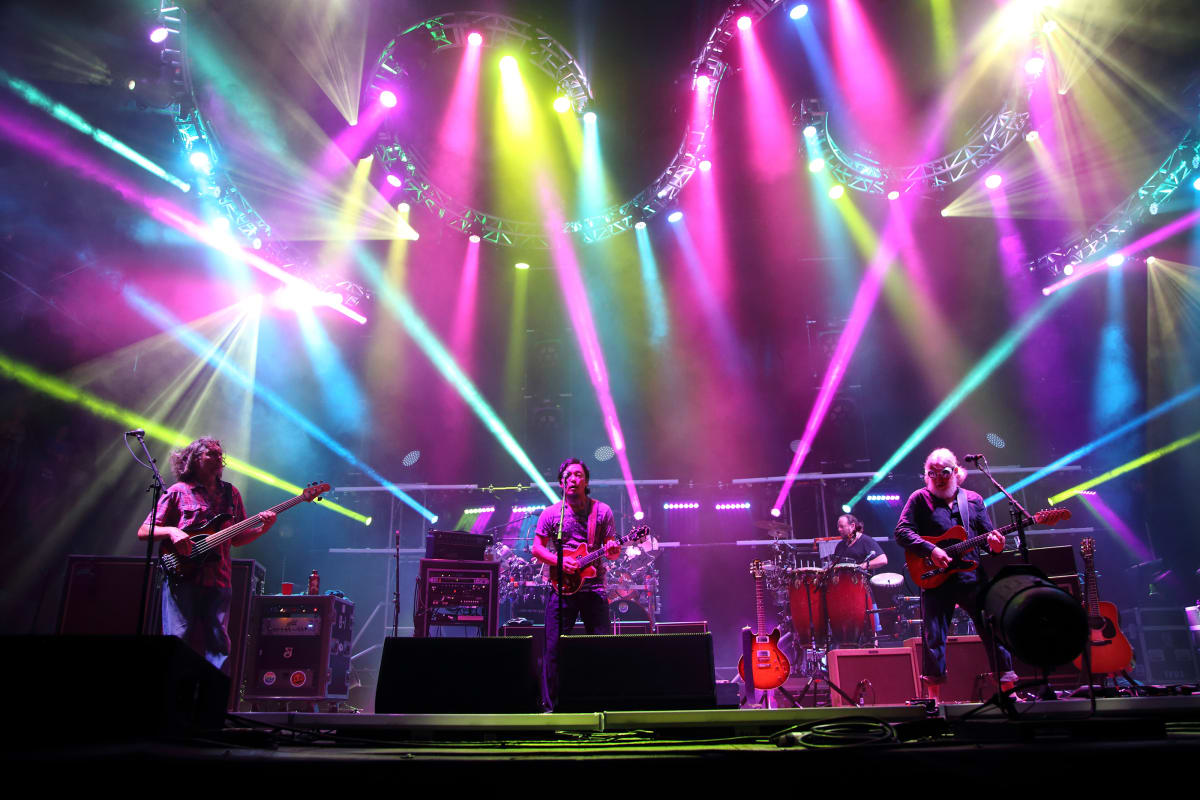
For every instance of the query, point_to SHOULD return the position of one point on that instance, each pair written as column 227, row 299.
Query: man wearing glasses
column 930, row 512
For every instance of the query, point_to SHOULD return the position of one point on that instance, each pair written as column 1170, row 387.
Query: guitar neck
column 1089, row 586
column 975, row 541
column 220, row 537
column 594, row 556
column 758, row 600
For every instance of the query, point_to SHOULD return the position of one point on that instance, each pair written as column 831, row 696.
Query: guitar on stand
column 770, row 668
column 1110, row 651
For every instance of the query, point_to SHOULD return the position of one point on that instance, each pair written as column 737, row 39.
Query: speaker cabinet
column 636, row 672
column 451, row 675
column 101, row 688
column 881, row 676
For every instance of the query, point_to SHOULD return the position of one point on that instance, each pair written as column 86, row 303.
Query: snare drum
column 806, row 597
column 848, row 602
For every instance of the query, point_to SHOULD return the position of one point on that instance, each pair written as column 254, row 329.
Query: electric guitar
column 571, row 581
column 960, row 548
column 1110, row 650
column 771, row 666
column 207, row 536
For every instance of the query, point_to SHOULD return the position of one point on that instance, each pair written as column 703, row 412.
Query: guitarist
column 584, row 521
column 201, row 603
column 930, row 512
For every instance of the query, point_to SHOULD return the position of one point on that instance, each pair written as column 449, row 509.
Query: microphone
column 138, row 432
column 973, row 457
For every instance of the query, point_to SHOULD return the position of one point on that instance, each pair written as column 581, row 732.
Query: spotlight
column 675, row 216
column 993, row 181
column 520, row 265
column 507, row 63
column 387, row 98
column 775, row 512
column 816, row 165
column 702, row 82
column 1196, row 184
column 1115, row 260
column 946, row 211
column 473, row 238
column 845, row 508
column 403, row 207
column 836, row 191
column 1069, row 270
column 159, row 35
column 1034, row 66
column 799, row 11
column 705, row 165
column 561, row 104
column 589, row 117
column 1032, row 136
column 810, row 131
column 200, row 161
column 893, row 195
column 744, row 23
column 639, row 515
column 1038, row 622
column 132, row 84
column 640, row 224
column 434, row 520
column 394, row 180
column 1150, row 262
column 1049, row 26
column 221, row 224
column 474, row 38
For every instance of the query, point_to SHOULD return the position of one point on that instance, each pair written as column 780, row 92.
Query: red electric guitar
column 571, row 581
column 1111, row 653
column 771, row 666
column 207, row 536
column 960, row 548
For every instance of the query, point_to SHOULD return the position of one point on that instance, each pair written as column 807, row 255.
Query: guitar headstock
column 1051, row 516
column 314, row 491
column 1087, row 548
column 756, row 568
column 638, row 533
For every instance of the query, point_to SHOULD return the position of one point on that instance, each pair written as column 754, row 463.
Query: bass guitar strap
column 592, row 515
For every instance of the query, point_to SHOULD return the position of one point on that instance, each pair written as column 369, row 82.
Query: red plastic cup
column 286, row 587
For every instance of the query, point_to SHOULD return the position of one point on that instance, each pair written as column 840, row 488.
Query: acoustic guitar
column 961, row 548
column 771, row 666
column 1110, row 650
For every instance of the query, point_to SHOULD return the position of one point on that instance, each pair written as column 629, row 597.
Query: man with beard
column 930, row 512
column 201, row 601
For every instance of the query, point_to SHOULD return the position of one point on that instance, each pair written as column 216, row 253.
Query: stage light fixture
column 403, row 207
column 816, row 165
column 387, row 98
column 132, row 84
column 1151, row 261
column 1115, row 260
column 705, row 165
column 836, row 191
column 845, row 508
column 473, row 238
column 394, row 180
column 474, row 38
column 744, row 23
column 256, row 243
column 589, row 117
column 799, row 11
column 507, row 63
column 562, row 104
column 1196, row 184
column 1038, row 622
column 1049, row 26
column 411, row 457
column 1032, row 136
column 639, row 515
column 810, row 131
column 520, row 265
column 159, row 35
column 993, row 181
column 1069, row 270
column 893, row 195
column 702, row 82
column 1034, row 66
column 200, row 161
column 675, row 216
column 775, row 512
column 640, row 225
column 996, row 441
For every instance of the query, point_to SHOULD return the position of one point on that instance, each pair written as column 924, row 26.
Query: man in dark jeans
column 930, row 512
column 582, row 521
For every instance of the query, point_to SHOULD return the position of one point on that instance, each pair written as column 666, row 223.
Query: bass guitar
column 571, row 581
column 771, row 666
column 960, row 548
column 1110, row 650
column 207, row 535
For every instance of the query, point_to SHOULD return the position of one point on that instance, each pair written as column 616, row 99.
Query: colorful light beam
column 1128, row 466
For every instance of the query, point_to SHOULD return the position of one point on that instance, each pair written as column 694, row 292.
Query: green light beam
column 1128, row 466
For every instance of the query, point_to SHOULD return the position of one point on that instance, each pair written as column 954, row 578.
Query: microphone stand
column 156, row 488
column 396, row 593
column 1020, row 516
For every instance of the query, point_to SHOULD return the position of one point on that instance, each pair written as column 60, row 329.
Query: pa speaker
column 99, row 688
column 636, row 672
column 481, row 675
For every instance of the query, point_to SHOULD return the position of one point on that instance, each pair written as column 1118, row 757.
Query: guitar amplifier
column 457, row 545
column 881, row 675
column 300, row 648
column 457, row 598
column 969, row 675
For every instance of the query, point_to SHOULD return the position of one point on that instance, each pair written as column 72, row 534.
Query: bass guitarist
column 200, row 601
column 929, row 513
column 583, row 521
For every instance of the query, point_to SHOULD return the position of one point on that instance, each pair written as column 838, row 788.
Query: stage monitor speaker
column 101, row 688
column 881, row 676
column 649, row 672
column 439, row 675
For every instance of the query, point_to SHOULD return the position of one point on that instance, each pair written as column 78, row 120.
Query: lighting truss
column 1147, row 199
column 984, row 144
column 541, row 50
column 194, row 135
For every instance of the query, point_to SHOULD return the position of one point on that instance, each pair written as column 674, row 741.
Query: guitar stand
column 819, row 673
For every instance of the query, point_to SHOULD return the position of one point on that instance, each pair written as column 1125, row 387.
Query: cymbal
column 776, row 528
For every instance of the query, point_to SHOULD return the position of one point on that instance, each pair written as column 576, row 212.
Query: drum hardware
column 776, row 529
